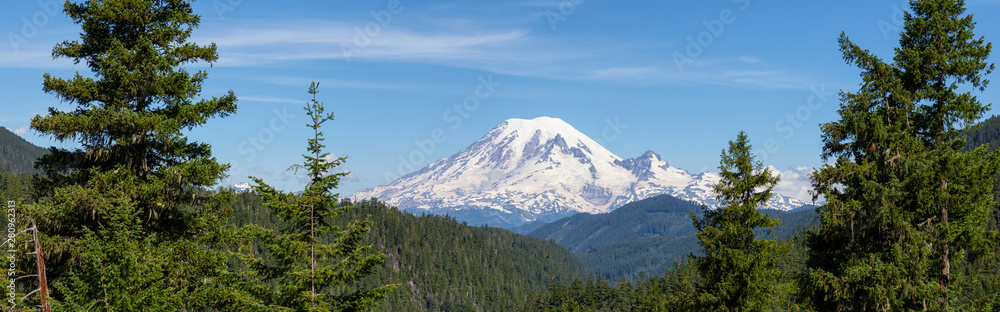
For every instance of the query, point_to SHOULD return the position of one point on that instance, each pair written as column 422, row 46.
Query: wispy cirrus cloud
column 709, row 75
column 313, row 40
column 455, row 43
column 269, row 99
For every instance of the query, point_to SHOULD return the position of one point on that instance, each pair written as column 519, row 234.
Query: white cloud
column 329, row 158
column 352, row 177
column 314, row 40
column 326, row 82
column 269, row 99
column 749, row 59
column 624, row 72
column 503, row 50
column 707, row 74
column 795, row 182
column 21, row 131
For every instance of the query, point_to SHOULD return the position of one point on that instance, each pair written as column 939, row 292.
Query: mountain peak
column 538, row 123
column 539, row 130
column 537, row 169
column 651, row 155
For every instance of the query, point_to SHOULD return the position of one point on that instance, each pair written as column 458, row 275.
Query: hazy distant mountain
column 541, row 169
column 238, row 187
column 17, row 154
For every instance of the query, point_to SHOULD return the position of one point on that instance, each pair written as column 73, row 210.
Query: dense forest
column 986, row 133
column 661, row 215
column 441, row 264
column 647, row 236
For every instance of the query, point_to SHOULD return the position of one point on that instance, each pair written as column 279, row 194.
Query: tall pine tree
column 738, row 269
column 124, row 219
column 312, row 264
column 903, row 200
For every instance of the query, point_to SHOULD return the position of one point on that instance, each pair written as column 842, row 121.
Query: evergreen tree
column 903, row 200
column 124, row 220
column 738, row 269
column 310, row 275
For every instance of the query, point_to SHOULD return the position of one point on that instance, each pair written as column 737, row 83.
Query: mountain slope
column 16, row 154
column 541, row 170
column 986, row 132
column 662, row 215
column 444, row 265
column 654, row 255
column 646, row 236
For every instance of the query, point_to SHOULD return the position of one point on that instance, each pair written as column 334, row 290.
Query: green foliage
column 308, row 274
column 125, row 268
column 986, row 133
column 651, row 256
column 15, row 187
column 737, row 268
column 654, row 256
column 594, row 295
column 450, row 266
column 124, row 220
column 904, row 203
column 677, row 290
column 441, row 264
column 647, row 236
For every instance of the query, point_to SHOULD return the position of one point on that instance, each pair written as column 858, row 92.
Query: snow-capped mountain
column 542, row 169
column 238, row 188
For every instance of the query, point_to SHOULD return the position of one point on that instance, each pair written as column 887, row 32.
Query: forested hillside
column 653, row 256
column 16, row 154
column 662, row 215
column 986, row 132
column 655, row 292
column 443, row 265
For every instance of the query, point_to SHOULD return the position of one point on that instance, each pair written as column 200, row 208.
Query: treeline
column 986, row 133
column 664, row 292
column 979, row 291
column 15, row 187
column 441, row 264
column 646, row 236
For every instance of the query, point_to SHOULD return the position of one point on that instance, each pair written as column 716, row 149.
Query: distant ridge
column 647, row 235
column 17, row 155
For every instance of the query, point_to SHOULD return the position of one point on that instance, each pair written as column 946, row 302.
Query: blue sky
column 411, row 82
